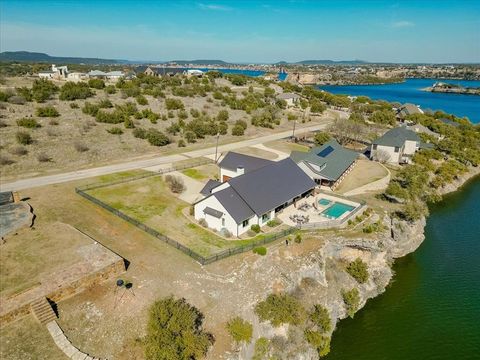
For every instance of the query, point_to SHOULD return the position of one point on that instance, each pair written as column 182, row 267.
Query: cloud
column 214, row 7
column 402, row 24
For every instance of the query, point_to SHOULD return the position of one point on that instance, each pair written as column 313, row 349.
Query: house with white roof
column 56, row 72
column 252, row 192
column 290, row 98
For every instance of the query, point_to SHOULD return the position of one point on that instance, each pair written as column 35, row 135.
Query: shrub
column 42, row 157
column 28, row 123
column 90, row 109
column 281, row 309
column 255, row 228
column 128, row 123
column 80, row 147
column 174, row 104
column 19, row 150
column 320, row 317
column 358, row 270
column 140, row 133
column 105, row 104
column 351, row 299
column 47, row 111
column 115, row 117
column 43, row 89
column 238, row 130
column 240, row 330
column 175, row 183
column 115, row 131
column 4, row 160
column 74, row 106
column 110, row 89
column 260, row 250
column 242, row 123
column 318, row 341
column 317, row 107
column 157, row 138
column 298, row 237
column 141, row 100
column 222, row 115
column 261, row 349
column 74, row 91
column 96, row 83
column 273, row 223
column 174, row 331
column 5, row 95
column 321, row 138
column 181, row 143
column 190, row 136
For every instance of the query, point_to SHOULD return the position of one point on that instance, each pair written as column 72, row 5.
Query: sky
column 259, row 31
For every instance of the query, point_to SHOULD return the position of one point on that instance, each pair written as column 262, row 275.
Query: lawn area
column 203, row 172
column 150, row 201
column 365, row 172
column 286, row 146
column 253, row 151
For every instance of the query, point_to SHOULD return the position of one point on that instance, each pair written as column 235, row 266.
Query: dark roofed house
column 209, row 186
column 408, row 109
column 253, row 197
column 327, row 164
column 449, row 122
column 290, row 98
column 235, row 164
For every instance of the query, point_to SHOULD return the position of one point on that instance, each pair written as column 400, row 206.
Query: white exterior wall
column 410, row 147
column 229, row 173
column 271, row 217
column 213, row 222
column 310, row 173
column 45, row 75
column 390, row 150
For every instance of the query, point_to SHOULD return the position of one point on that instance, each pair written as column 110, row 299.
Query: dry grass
column 286, row 146
column 252, row 151
column 365, row 172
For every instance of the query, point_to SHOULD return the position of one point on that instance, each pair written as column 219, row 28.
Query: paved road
column 147, row 163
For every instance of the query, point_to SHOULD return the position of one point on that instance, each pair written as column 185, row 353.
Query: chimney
column 240, row 170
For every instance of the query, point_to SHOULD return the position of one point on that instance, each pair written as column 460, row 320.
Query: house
column 290, row 98
column 60, row 72
column 76, row 76
column 163, row 71
column 396, row 146
column 111, row 75
column 235, row 164
column 408, row 109
column 253, row 197
column 421, row 129
column 449, row 122
column 194, row 72
column 327, row 164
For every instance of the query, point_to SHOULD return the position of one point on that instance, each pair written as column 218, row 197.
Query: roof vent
column 240, row 170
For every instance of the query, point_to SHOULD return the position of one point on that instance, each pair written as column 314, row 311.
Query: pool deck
column 315, row 211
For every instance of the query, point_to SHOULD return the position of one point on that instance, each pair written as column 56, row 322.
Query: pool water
column 324, row 202
column 337, row 210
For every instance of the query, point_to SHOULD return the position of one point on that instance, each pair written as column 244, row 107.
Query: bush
column 174, row 104
column 222, row 115
column 128, row 123
column 240, row 330
column 74, row 91
column 281, row 309
column 298, row 237
column 351, row 299
column 273, row 223
column 238, row 130
column 190, row 136
column 140, row 133
column 4, row 160
column 23, row 138
column 80, row 147
column 318, row 341
column 242, row 123
column 317, row 107
column 47, row 111
column 175, row 183
column 42, row 157
column 321, row 138
column 321, row 318
column 174, row 331
column 115, row 131
column 261, row 349
column 90, row 109
column 141, row 100
column 260, row 250
column 157, row 138
column 110, row 89
column 43, row 89
column 74, row 106
column 181, row 143
column 28, row 123
column 255, row 228
column 358, row 270
column 96, row 83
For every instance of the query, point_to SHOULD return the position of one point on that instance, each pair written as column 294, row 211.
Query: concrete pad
column 54, row 329
column 193, row 187
column 79, row 356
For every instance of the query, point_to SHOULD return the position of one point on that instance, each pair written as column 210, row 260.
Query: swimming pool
column 337, row 210
column 324, row 202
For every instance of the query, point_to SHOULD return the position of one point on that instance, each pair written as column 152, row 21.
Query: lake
column 253, row 73
column 410, row 91
column 431, row 310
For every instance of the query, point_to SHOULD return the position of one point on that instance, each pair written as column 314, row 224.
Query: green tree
column 174, row 331
column 321, row 138
column 281, row 309
column 386, row 117
column 318, row 341
column 358, row 270
column 240, row 330
column 351, row 298
column 96, row 83
column 320, row 317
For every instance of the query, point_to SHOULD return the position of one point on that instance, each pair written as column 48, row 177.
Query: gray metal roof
column 234, row 204
column 285, row 96
column 270, row 186
column 6, row 197
column 234, row 160
column 409, row 109
column 207, row 189
column 213, row 212
column 396, row 137
column 331, row 157
column 449, row 122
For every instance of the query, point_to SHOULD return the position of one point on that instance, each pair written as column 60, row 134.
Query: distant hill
column 325, row 62
column 199, row 62
column 27, row 56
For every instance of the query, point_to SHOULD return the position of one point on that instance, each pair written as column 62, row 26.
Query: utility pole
column 216, row 148
column 293, row 133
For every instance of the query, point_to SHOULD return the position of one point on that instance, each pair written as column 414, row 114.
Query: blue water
column 324, row 202
column 252, row 73
column 337, row 210
column 410, row 91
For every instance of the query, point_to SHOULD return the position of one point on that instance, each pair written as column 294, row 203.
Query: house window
column 245, row 223
column 223, row 222
column 265, row 217
column 397, row 149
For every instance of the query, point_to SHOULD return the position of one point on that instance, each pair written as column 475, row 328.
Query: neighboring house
column 111, row 75
column 449, row 122
column 235, row 164
column 96, row 74
column 408, row 109
column 194, row 72
column 290, row 98
column 396, row 146
column 60, row 72
column 76, row 76
column 328, row 164
column 421, row 129
column 163, row 71
column 254, row 197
